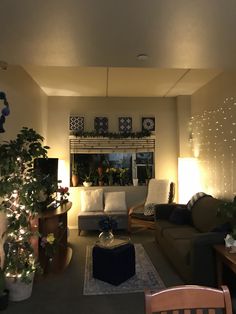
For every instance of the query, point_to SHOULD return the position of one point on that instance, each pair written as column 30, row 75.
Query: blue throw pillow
column 223, row 228
column 180, row 216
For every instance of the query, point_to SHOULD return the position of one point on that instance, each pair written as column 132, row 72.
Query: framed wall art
column 148, row 124
column 76, row 123
column 101, row 125
column 125, row 124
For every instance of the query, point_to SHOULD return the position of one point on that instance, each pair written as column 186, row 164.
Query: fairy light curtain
column 213, row 137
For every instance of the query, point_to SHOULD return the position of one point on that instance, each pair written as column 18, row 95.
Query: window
column 112, row 161
column 117, row 168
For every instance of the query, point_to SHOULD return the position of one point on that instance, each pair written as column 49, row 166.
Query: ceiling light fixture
column 142, row 56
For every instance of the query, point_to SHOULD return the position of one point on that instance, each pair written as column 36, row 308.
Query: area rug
column 146, row 276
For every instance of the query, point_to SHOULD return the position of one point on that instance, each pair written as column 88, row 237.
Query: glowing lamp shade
column 188, row 178
column 62, row 173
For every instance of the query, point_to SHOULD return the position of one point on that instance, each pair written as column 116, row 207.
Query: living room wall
column 163, row 109
column 28, row 107
column 214, row 134
column 28, row 103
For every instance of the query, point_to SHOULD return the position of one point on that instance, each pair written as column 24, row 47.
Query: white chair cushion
column 115, row 201
column 158, row 192
column 92, row 200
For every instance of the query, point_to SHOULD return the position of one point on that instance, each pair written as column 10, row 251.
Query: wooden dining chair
column 188, row 299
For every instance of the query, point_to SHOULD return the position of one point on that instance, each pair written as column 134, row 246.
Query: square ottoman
column 114, row 265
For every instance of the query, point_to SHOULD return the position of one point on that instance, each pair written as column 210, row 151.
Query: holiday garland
column 141, row 134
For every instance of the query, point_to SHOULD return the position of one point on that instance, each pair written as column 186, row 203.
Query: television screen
column 48, row 167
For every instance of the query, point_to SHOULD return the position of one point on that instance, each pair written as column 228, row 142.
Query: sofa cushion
column 183, row 248
column 91, row 200
column 90, row 213
column 162, row 225
column 180, row 216
column 183, row 232
column 115, row 201
column 204, row 213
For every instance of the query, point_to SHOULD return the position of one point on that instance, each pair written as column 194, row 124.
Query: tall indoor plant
column 21, row 187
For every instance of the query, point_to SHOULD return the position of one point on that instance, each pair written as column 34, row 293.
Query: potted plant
column 88, row 179
column 21, row 188
column 74, row 173
column 148, row 172
column 227, row 210
column 122, row 174
column 3, row 291
column 107, row 225
column 64, row 193
column 110, row 173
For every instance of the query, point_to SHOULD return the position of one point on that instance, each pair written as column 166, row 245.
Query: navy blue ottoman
column 114, row 265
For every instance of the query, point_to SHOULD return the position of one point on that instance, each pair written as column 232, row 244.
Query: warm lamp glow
column 188, row 178
column 62, row 172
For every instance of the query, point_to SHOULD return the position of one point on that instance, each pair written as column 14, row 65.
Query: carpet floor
column 63, row 293
column 146, row 276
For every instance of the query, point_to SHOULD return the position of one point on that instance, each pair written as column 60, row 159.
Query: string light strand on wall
column 213, row 140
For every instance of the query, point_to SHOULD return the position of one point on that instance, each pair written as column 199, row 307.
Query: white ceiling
column 68, row 45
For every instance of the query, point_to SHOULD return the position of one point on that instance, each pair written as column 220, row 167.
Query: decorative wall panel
column 76, row 123
column 148, row 124
column 101, row 125
column 125, row 124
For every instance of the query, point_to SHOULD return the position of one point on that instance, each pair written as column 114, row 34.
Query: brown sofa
column 187, row 238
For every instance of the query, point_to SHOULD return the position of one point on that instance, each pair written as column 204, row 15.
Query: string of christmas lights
column 213, row 139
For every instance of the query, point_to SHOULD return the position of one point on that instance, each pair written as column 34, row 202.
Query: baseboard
column 73, row 227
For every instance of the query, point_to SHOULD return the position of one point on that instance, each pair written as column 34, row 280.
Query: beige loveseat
column 97, row 204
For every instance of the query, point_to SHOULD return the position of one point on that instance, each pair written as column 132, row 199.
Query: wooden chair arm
column 131, row 209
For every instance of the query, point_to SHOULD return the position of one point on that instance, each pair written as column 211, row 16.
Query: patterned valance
column 107, row 145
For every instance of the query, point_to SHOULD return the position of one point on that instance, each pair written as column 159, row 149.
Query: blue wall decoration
column 5, row 111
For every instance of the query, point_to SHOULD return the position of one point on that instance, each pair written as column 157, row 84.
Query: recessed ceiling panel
column 192, row 81
column 70, row 81
column 140, row 82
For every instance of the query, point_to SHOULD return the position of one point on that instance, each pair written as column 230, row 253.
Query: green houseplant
column 227, row 210
column 21, row 188
column 88, row 179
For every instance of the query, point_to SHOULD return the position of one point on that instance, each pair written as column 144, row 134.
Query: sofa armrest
column 203, row 261
column 163, row 211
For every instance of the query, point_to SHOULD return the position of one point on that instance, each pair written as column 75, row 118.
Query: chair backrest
column 171, row 193
column 159, row 192
column 182, row 299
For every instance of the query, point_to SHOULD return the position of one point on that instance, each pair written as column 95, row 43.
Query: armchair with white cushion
column 159, row 192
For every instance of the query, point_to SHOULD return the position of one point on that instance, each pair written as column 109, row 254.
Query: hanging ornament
column 5, row 111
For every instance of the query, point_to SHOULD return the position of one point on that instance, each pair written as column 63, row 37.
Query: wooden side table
column 223, row 257
column 55, row 221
